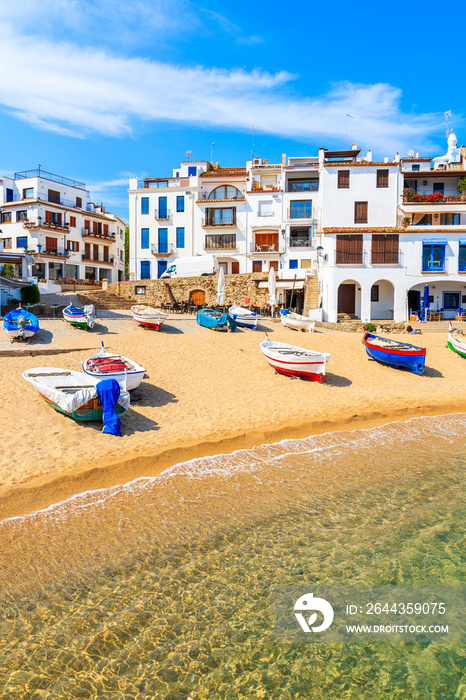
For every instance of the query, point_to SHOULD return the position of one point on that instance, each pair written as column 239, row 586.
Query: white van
column 197, row 266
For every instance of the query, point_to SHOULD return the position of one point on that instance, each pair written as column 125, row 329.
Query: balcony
column 162, row 214
column 41, row 196
column 47, row 225
column 55, row 252
column 265, row 250
column 220, row 242
column 163, row 251
column 48, row 176
column 386, row 257
column 345, row 258
column 87, row 233
column 300, row 242
column 304, row 211
column 87, row 258
column 220, row 218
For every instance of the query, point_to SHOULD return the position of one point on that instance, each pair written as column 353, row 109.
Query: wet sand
column 207, row 393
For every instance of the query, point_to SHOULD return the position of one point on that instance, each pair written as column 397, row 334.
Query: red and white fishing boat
column 148, row 316
column 107, row 365
column 293, row 361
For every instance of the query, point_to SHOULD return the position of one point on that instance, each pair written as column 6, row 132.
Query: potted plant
column 462, row 188
column 405, row 221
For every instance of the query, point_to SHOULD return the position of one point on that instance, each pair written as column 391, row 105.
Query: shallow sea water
column 163, row 588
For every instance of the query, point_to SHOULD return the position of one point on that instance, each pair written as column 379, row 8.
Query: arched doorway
column 349, row 299
column 198, row 297
column 382, row 300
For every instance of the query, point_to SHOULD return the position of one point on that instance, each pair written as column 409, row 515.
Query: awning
column 462, row 242
column 284, row 284
column 435, row 241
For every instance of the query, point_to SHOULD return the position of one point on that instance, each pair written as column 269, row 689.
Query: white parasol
column 221, row 287
column 272, row 283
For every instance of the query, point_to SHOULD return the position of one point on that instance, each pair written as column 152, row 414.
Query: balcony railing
column 44, row 198
column 301, row 212
column 59, row 252
column 300, row 242
column 226, row 217
column 225, row 242
column 345, row 258
column 385, row 257
column 163, row 250
column 110, row 260
column 85, row 232
column 261, row 248
column 162, row 214
column 48, row 176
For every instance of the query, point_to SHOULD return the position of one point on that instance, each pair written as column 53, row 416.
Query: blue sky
column 98, row 91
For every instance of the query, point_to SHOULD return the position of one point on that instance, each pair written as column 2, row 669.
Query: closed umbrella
column 221, row 287
column 425, row 302
column 272, row 283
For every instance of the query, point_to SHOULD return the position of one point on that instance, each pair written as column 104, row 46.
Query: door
column 162, row 207
column 346, row 299
column 451, row 303
column 96, row 252
column 257, row 265
column 163, row 240
column 161, row 267
column 145, row 269
column 87, row 251
column 414, row 300
column 274, row 264
column 235, row 268
column 198, row 297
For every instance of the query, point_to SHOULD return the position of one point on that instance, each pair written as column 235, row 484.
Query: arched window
column 225, row 192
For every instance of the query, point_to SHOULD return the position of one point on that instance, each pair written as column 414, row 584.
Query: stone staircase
column 311, row 294
column 103, row 300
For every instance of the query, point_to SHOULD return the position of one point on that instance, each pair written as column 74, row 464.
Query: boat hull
column 456, row 346
column 296, row 322
column 90, row 411
column 131, row 377
column 78, row 321
column 411, row 358
column 14, row 331
column 149, row 320
column 295, row 362
column 244, row 318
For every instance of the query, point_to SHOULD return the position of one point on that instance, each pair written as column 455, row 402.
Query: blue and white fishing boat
column 81, row 317
column 215, row 320
column 243, row 317
column 394, row 353
column 20, row 324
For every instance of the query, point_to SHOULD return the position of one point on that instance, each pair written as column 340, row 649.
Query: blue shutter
column 144, row 205
column 163, row 240
column 162, row 207
column 180, row 202
column 192, row 170
column 145, row 269
column 161, row 267
column 293, row 264
column 9, row 195
column 180, row 237
column 144, row 238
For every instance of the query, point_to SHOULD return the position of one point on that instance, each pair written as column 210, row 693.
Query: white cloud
column 78, row 90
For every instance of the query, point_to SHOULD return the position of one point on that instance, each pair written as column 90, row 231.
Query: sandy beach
column 207, row 393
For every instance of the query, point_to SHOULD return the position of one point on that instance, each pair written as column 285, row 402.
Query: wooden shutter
column 360, row 212
column 106, row 253
column 59, row 218
column 50, row 243
column 87, row 251
column 72, row 222
column 48, row 217
column 382, row 178
column 87, row 224
column 343, row 179
column 106, row 229
column 94, row 227
column 96, row 252
column 385, row 249
column 349, row 250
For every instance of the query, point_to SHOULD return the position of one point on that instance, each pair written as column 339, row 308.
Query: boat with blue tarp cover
column 215, row 320
column 20, row 324
column 395, row 353
column 243, row 317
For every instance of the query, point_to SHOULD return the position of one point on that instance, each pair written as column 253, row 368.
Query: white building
column 69, row 237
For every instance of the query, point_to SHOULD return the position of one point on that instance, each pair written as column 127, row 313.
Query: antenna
column 346, row 130
column 212, row 151
column 448, row 114
column 188, row 153
column 253, row 141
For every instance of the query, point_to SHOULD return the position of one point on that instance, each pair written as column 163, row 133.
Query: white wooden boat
column 243, row 317
column 294, row 361
column 296, row 321
column 106, row 365
column 148, row 316
column 72, row 393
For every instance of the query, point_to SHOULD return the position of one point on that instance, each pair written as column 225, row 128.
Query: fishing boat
column 243, row 317
column 80, row 316
column 293, row 361
column 394, row 353
column 73, row 393
column 456, row 340
column 148, row 317
column 295, row 321
column 20, row 324
column 106, row 365
column 215, row 320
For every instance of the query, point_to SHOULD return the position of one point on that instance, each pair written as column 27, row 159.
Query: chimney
column 355, row 147
column 369, row 156
column 416, row 155
column 283, row 159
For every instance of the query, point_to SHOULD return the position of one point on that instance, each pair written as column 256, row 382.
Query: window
column 28, row 193
column 300, row 237
column 225, row 192
column 53, row 217
column 293, row 264
column 7, row 243
column 301, row 209
column 21, row 215
column 79, row 202
column 192, row 170
column 304, row 185
column 425, row 220
column 439, row 187
column 22, row 242
column 180, row 237
column 72, row 222
column 360, row 212
column 51, row 243
column 221, row 217
column 349, row 250
column 105, row 229
column 73, row 245
column 382, row 178
column 54, row 196
column 450, row 219
column 462, row 256
column 144, row 205
column 9, row 195
column 433, row 256
column 415, row 167
column 180, row 202
column 385, row 249
column 265, row 209
column 5, row 218
column 144, row 238
column 375, row 292
column 343, row 179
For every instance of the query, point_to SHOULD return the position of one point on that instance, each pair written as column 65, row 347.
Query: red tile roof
column 225, row 172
